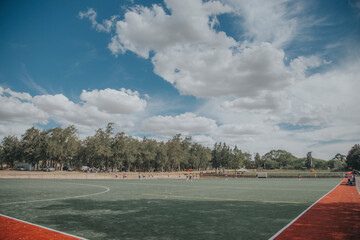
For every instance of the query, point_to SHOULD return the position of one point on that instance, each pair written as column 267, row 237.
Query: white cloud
column 55, row 104
column 202, row 129
column 14, row 109
column 204, row 140
column 233, row 130
column 113, row 101
column 267, row 102
column 250, row 89
column 101, row 27
column 187, row 123
column 151, row 29
column 268, row 21
column 21, row 96
column 98, row 107
column 301, row 64
column 195, row 58
column 209, row 72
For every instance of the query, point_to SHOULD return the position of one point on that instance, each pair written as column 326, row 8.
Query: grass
column 162, row 209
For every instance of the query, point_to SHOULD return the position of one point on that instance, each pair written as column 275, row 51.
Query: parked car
column 85, row 168
column 67, row 168
column 48, row 169
column 20, row 168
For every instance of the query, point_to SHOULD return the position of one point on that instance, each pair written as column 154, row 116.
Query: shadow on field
column 168, row 219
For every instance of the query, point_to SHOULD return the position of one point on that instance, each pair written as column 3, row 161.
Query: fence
column 276, row 175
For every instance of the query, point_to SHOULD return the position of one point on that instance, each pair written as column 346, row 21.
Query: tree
column 161, row 158
column 258, row 162
column 336, row 164
column 320, row 164
column 62, row 146
column 200, row 156
column 131, row 152
column 12, row 151
column 237, row 159
column 309, row 161
column 147, row 154
column 216, row 156
column 205, row 157
column 175, row 152
column 282, row 158
column 185, row 147
column 118, row 146
column 32, row 146
column 1, row 156
column 99, row 148
column 353, row 158
column 340, row 157
column 248, row 163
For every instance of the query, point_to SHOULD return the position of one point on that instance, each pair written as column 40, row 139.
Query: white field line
column 64, row 198
column 288, row 225
column 42, row 227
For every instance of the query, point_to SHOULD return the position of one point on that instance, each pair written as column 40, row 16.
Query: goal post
column 261, row 175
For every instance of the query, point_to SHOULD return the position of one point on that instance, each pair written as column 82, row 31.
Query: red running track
column 11, row 229
column 335, row 216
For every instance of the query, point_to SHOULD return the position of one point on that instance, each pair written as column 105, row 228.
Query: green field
column 162, row 209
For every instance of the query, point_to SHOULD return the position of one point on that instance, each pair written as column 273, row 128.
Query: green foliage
column 281, row 158
column 309, row 163
column 12, row 151
column 336, row 165
column 353, row 157
column 320, row 164
column 105, row 150
column 259, row 163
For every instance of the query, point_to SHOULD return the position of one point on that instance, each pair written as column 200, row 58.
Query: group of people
column 124, row 176
column 351, row 180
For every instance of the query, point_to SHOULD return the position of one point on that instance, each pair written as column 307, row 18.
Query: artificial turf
column 162, row 209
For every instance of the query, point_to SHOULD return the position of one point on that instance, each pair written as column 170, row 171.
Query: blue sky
column 261, row 75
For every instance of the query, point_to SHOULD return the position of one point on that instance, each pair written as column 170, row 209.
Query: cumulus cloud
column 301, row 64
column 208, row 72
column 113, row 101
column 202, row 129
column 275, row 22
column 55, row 104
column 246, row 78
column 195, row 58
column 233, row 130
column 101, row 27
column 97, row 108
column 13, row 108
column 187, row 123
column 20, row 96
column 267, row 102
column 152, row 29
column 325, row 98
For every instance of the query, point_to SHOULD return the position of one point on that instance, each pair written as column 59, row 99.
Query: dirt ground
column 84, row 175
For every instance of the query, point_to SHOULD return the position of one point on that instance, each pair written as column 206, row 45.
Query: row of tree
column 60, row 147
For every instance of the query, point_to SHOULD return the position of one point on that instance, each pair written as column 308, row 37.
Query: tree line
column 59, row 147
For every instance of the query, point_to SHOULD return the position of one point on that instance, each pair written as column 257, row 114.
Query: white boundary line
column 288, row 225
column 42, row 227
column 64, row 198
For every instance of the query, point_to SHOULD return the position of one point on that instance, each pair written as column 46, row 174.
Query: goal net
column 261, row 175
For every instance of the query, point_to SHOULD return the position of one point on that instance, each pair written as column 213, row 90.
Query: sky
column 260, row 74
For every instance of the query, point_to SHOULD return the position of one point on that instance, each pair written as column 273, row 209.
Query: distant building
column 24, row 167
